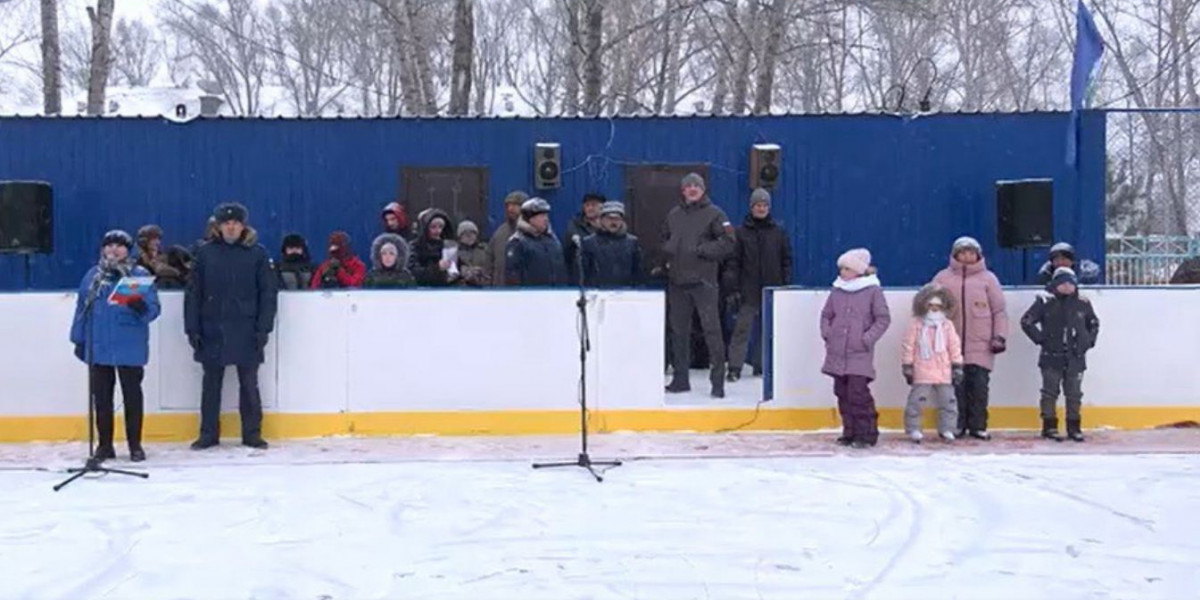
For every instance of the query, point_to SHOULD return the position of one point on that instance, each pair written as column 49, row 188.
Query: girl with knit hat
column 932, row 360
column 981, row 320
column 855, row 317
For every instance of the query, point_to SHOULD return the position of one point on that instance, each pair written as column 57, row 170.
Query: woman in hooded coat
column 389, row 263
column 429, row 265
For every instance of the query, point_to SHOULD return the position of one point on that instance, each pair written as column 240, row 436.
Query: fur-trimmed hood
column 524, row 228
column 427, row 216
column 402, row 251
column 249, row 237
column 928, row 292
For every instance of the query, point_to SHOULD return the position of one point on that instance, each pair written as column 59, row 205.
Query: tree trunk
column 664, row 62
column 101, row 19
column 51, row 63
column 593, row 67
column 424, row 70
column 410, row 93
column 463, row 64
column 574, row 53
column 766, row 66
column 745, row 45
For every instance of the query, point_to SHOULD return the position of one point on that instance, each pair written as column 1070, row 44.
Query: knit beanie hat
column 341, row 241
column 613, row 207
column 231, row 211
column 1062, row 249
column 117, row 236
column 593, row 197
column 857, row 260
column 1062, row 275
column 149, row 232
column 760, row 195
column 516, row 197
column 692, row 179
column 966, row 243
column 466, row 226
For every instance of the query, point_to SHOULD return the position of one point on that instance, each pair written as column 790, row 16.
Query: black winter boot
column 679, row 385
column 255, row 442
column 1074, row 430
column 105, row 452
column 204, row 443
column 733, row 375
column 1050, row 429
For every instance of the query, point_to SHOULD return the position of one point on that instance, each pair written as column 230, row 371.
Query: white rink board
column 361, row 351
column 1148, row 352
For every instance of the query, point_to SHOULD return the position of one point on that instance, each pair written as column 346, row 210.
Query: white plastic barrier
column 1146, row 357
column 368, row 351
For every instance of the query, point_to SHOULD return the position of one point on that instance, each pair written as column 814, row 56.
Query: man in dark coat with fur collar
column 534, row 257
column 229, row 313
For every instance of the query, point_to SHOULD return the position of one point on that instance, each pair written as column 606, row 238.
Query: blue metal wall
column 904, row 187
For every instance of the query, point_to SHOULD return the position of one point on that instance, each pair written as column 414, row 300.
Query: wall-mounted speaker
column 547, row 167
column 765, row 166
column 1025, row 213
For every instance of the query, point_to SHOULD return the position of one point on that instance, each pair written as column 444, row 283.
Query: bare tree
column 224, row 42
column 464, row 49
column 51, row 64
column 137, row 53
column 776, row 21
column 101, row 20
column 593, row 64
column 306, row 41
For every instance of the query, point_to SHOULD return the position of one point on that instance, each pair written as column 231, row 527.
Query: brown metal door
column 460, row 191
column 651, row 191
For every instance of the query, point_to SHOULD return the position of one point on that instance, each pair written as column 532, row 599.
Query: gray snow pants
column 1071, row 383
column 942, row 397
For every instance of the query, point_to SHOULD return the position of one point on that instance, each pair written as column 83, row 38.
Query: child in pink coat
column 981, row 319
column 932, row 362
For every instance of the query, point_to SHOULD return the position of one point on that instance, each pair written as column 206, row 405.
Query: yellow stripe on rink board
column 163, row 427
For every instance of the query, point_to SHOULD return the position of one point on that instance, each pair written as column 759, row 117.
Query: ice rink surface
column 772, row 516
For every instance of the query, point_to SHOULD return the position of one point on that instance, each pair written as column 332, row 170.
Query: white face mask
column 935, row 317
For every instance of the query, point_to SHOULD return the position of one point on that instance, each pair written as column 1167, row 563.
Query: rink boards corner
column 505, row 362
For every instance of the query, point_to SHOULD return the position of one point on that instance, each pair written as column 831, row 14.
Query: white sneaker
column 947, row 436
column 916, row 436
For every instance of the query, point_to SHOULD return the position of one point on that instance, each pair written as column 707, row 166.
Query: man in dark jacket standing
column 698, row 236
column 761, row 258
column 534, row 257
column 229, row 313
column 584, row 224
column 498, row 245
column 612, row 257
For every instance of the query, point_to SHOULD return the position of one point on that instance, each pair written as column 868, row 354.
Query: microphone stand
column 92, row 465
column 583, row 460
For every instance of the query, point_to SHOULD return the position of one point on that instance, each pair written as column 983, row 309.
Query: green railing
column 1146, row 260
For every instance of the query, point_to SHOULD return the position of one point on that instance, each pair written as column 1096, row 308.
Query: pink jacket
column 936, row 370
column 980, row 314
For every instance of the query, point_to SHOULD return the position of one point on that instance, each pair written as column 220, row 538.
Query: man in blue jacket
column 229, row 313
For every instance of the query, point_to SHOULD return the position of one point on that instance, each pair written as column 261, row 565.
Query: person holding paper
column 114, row 339
column 434, row 254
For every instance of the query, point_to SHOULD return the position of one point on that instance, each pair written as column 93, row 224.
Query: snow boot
column 733, row 375
column 1050, row 430
column 947, row 436
column 105, row 452
column 981, row 435
column 679, row 385
column 1074, row 430
column 859, row 445
column 845, row 440
column 204, row 444
column 256, row 442
column 916, row 436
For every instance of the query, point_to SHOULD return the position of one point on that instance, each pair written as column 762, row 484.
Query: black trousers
column 249, row 402
column 702, row 299
column 973, row 398
column 103, row 382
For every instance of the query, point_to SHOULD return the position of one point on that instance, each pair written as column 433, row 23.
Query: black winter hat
column 231, row 211
column 1062, row 275
column 1062, row 249
column 117, row 236
column 294, row 240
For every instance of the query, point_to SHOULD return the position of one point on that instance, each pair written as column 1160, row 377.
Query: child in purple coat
column 854, row 318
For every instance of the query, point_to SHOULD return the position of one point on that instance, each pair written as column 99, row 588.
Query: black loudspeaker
column 547, row 172
column 26, row 217
column 765, row 166
column 1025, row 213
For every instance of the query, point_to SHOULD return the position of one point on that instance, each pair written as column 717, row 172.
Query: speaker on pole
column 1025, row 213
column 26, row 217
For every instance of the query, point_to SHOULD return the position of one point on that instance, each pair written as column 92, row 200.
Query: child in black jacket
column 1066, row 327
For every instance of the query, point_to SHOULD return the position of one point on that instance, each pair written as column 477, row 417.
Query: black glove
column 262, row 339
column 79, row 352
column 957, row 374
column 138, row 305
column 908, row 372
column 999, row 345
column 334, row 264
column 194, row 342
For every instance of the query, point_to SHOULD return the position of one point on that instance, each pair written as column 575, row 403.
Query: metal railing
column 1146, row 260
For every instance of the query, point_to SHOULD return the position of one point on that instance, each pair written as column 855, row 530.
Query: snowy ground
column 468, row 518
